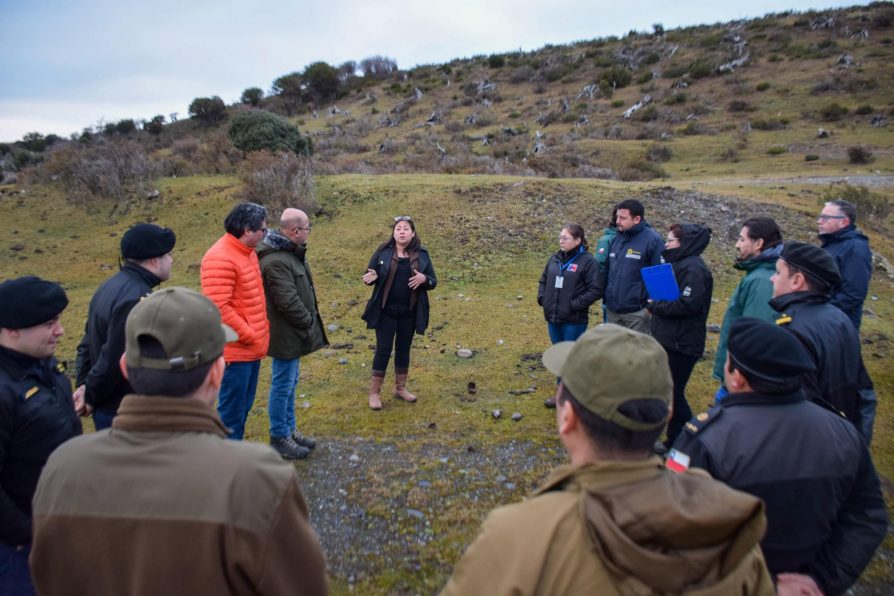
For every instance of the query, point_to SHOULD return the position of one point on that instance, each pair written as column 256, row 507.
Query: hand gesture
column 370, row 276
column 78, row 400
column 796, row 584
column 417, row 279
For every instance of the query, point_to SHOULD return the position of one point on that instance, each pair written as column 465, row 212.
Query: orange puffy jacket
column 231, row 278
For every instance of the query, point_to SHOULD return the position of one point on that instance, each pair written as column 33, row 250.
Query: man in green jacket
column 758, row 247
column 296, row 328
column 616, row 521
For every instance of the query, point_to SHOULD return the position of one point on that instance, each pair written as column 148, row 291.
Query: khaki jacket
column 163, row 504
column 620, row 528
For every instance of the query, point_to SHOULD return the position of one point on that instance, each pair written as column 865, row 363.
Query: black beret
column 29, row 301
column 813, row 261
column 147, row 241
column 766, row 350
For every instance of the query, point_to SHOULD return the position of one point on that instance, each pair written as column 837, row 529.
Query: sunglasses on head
column 403, row 218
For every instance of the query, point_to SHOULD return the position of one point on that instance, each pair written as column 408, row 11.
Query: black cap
column 765, row 350
column 29, row 301
column 147, row 241
column 813, row 261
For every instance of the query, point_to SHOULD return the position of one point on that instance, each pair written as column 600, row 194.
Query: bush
column 859, row 154
column 777, row 150
column 646, row 114
column 693, row 128
column 768, row 124
column 257, row 130
column 676, row 98
column 617, row 76
column 252, row 96
column 280, row 180
column 701, row 68
column 833, row 111
column 641, row 170
column 156, row 125
column 496, row 61
column 811, row 157
column 737, row 105
column 762, row 86
column 208, row 110
column 644, row 78
column 658, row 153
column 864, row 110
column 521, row 74
column 617, row 103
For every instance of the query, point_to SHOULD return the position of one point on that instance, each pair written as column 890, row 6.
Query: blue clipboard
column 660, row 282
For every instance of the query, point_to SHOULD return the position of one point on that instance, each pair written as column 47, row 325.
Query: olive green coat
column 296, row 328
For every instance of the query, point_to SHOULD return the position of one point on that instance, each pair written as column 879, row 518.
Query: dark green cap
column 184, row 322
column 611, row 365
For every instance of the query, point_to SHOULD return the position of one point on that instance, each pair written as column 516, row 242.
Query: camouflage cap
column 609, row 366
column 184, row 322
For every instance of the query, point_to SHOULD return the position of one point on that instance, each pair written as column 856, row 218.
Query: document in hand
column 660, row 282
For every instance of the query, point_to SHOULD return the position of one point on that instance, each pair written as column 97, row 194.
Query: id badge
column 559, row 281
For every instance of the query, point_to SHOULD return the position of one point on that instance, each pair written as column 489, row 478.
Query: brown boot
column 400, row 387
column 375, row 389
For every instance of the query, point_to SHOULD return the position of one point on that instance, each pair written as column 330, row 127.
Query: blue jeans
column 565, row 331
column 281, row 402
column 15, row 576
column 237, row 394
column 102, row 419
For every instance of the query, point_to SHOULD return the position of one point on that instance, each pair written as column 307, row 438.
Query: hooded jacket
column 833, row 344
column 751, row 298
column 680, row 325
column 570, row 303
column 231, row 279
column 850, row 248
column 381, row 262
column 296, row 328
column 619, row 528
column 620, row 281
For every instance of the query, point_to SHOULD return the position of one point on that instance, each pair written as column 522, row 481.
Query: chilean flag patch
column 572, row 267
column 677, row 461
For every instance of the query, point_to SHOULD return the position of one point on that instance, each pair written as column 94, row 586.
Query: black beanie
column 813, row 261
column 147, row 241
column 766, row 350
column 29, row 301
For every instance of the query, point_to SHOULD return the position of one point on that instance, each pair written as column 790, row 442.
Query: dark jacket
column 850, row 248
column 620, row 281
column 380, row 262
column 296, row 328
column 36, row 416
column 571, row 303
column 680, row 325
column 103, row 342
column 751, row 298
column 833, row 344
column 825, row 511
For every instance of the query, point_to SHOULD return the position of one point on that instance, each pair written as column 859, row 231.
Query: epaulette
column 783, row 319
column 698, row 423
column 61, row 367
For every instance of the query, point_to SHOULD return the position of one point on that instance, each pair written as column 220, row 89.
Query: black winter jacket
column 36, row 416
column 571, row 303
column 850, row 248
column 825, row 511
column 103, row 342
column 380, row 262
column 833, row 344
column 620, row 281
column 680, row 325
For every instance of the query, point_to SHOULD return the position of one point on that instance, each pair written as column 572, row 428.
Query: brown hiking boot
column 375, row 391
column 400, row 388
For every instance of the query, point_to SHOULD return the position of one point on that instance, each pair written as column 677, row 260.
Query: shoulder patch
column 783, row 319
column 61, row 367
column 701, row 421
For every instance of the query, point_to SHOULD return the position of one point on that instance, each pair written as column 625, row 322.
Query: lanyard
column 562, row 268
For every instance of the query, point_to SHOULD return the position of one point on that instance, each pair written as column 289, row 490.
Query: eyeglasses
column 565, row 238
column 824, row 217
column 300, row 229
column 402, row 218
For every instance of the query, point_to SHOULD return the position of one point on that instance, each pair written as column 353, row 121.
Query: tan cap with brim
column 184, row 322
column 611, row 365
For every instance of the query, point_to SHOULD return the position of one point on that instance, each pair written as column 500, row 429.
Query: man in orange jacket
column 231, row 278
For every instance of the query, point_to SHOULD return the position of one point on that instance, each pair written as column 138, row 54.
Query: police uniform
column 825, row 511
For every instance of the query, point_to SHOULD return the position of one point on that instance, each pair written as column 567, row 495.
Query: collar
column 781, row 303
column 18, row 364
column 141, row 272
column 142, row 413
column 595, row 474
column 236, row 245
column 761, row 399
column 839, row 235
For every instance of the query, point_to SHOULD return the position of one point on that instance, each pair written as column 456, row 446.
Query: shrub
column 514, row 114
column 730, row 154
column 647, row 114
column 701, row 68
column 858, row 154
column 692, row 128
column 617, row 103
column 616, row 76
column 496, row 61
column 257, row 130
column 676, row 98
column 737, row 105
column 156, row 125
column 208, row 110
column 280, row 180
column 252, row 96
column 776, row 150
column 644, row 78
column 762, row 86
column 768, row 124
column 833, row 111
column 640, row 169
column 811, row 157
column 864, row 110
column 658, row 153
column 521, row 74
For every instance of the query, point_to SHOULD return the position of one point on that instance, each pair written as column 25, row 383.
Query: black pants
column 396, row 333
column 681, row 366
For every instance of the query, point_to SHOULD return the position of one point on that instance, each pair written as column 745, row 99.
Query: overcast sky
column 69, row 64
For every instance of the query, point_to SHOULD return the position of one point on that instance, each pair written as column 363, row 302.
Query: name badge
column 559, row 281
column 633, row 255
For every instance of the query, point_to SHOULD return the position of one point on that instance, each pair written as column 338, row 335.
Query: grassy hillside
column 489, row 237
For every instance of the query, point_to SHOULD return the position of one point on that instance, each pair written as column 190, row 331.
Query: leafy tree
column 256, row 130
column 125, row 126
column 321, row 81
column 34, row 141
column 378, row 67
column 208, row 110
column 496, row 61
column 155, row 125
column 252, row 96
column 288, row 88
